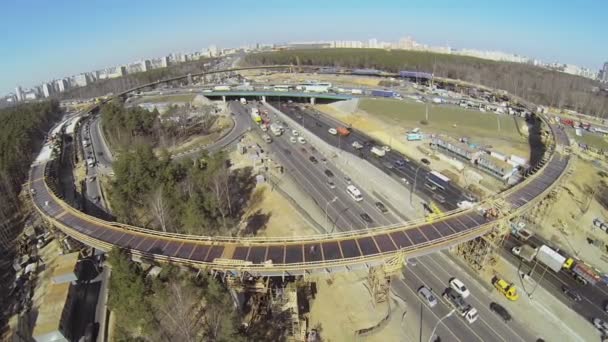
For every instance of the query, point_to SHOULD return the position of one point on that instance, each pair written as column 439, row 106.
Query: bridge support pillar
column 223, row 98
column 263, row 99
column 312, row 100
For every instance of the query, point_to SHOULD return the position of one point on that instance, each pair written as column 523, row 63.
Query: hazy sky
column 43, row 39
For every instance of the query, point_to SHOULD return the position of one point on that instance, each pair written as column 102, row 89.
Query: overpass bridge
column 271, row 94
column 276, row 256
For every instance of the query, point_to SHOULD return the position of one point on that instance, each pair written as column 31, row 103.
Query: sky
column 44, row 40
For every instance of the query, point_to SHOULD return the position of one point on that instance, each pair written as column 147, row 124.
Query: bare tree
column 180, row 312
column 160, row 209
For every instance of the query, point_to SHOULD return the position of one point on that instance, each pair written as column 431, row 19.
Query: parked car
column 301, row 140
column 295, row 133
column 427, row 296
column 348, row 180
column 381, row 207
column 366, row 218
column 328, row 173
column 601, row 325
column 313, row 160
column 293, row 139
column 332, row 131
column 459, row 287
column 500, row 311
column 331, row 185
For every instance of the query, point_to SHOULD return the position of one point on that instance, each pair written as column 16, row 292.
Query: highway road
column 434, row 271
column 594, row 297
column 319, row 124
column 342, row 210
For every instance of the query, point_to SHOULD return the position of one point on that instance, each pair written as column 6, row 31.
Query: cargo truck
column 379, row 151
column 550, row 258
column 581, row 271
column 526, row 252
column 255, row 115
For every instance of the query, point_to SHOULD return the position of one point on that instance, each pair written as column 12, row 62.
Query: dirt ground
column 345, row 80
column 222, row 125
column 569, row 221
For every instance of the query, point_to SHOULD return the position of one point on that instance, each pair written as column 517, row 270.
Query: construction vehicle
column 343, row 131
column 464, row 309
column 526, row 252
column 255, row 115
column 519, row 231
column 581, row 272
column 434, row 212
column 507, row 289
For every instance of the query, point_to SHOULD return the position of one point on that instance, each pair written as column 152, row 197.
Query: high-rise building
column 213, row 52
column 604, row 73
column 47, row 89
column 19, row 93
column 61, row 85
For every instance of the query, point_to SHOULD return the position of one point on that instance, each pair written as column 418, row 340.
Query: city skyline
column 33, row 56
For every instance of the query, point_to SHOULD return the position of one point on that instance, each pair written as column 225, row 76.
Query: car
column 405, row 181
column 388, row 165
column 303, row 149
column 90, row 179
column 459, row 287
column 313, row 149
column 331, row 185
column 601, row 325
column 332, row 131
column 425, row 161
column 400, row 163
column 90, row 332
column 571, row 294
column 500, row 311
column 366, row 218
column 313, row 160
column 323, row 159
column 381, row 207
column 439, row 198
column 348, row 180
column 295, row 133
column 328, row 173
column 579, row 279
column 506, row 288
column 293, row 139
column 301, row 140
column 427, row 296
column 386, row 148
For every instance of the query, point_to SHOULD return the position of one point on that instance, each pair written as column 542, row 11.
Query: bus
column 354, row 193
column 436, row 180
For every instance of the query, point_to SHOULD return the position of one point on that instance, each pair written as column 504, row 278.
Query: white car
column 295, row 133
column 601, row 325
column 301, row 140
column 386, row 148
column 332, row 131
column 459, row 287
column 293, row 139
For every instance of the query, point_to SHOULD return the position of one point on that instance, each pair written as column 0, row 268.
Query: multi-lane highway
column 434, row 271
column 319, row 124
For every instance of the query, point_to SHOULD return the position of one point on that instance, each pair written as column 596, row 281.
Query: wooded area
column 22, row 134
column 200, row 197
column 538, row 85
column 175, row 306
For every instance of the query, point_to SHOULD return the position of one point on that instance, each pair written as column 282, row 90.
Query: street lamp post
column 338, row 218
column 327, row 206
column 414, row 184
column 439, row 321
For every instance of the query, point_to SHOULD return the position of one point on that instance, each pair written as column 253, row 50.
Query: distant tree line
column 195, row 197
column 535, row 84
column 121, row 84
column 127, row 126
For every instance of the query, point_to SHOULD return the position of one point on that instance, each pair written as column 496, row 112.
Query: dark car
column 381, row 207
column 328, row 173
column 439, row 198
column 313, row 160
column 399, row 163
column 425, row 161
column 366, row 218
column 90, row 332
column 500, row 311
column 571, row 294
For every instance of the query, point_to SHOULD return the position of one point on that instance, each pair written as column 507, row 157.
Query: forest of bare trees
column 535, row 84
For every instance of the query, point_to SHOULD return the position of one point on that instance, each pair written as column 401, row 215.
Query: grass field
column 593, row 140
column 452, row 121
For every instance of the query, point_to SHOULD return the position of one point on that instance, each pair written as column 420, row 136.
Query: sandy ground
column 343, row 305
column 569, row 221
column 344, row 80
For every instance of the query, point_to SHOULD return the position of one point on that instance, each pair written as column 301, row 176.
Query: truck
column 343, row 131
column 526, row 252
column 464, row 309
column 379, row 151
column 384, row 93
column 356, row 91
column 255, row 115
column 550, row 258
column 581, row 272
column 221, row 88
column 507, row 289
column 357, row 145
column 519, row 231
column 276, row 129
column 243, row 100
column 414, row 137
